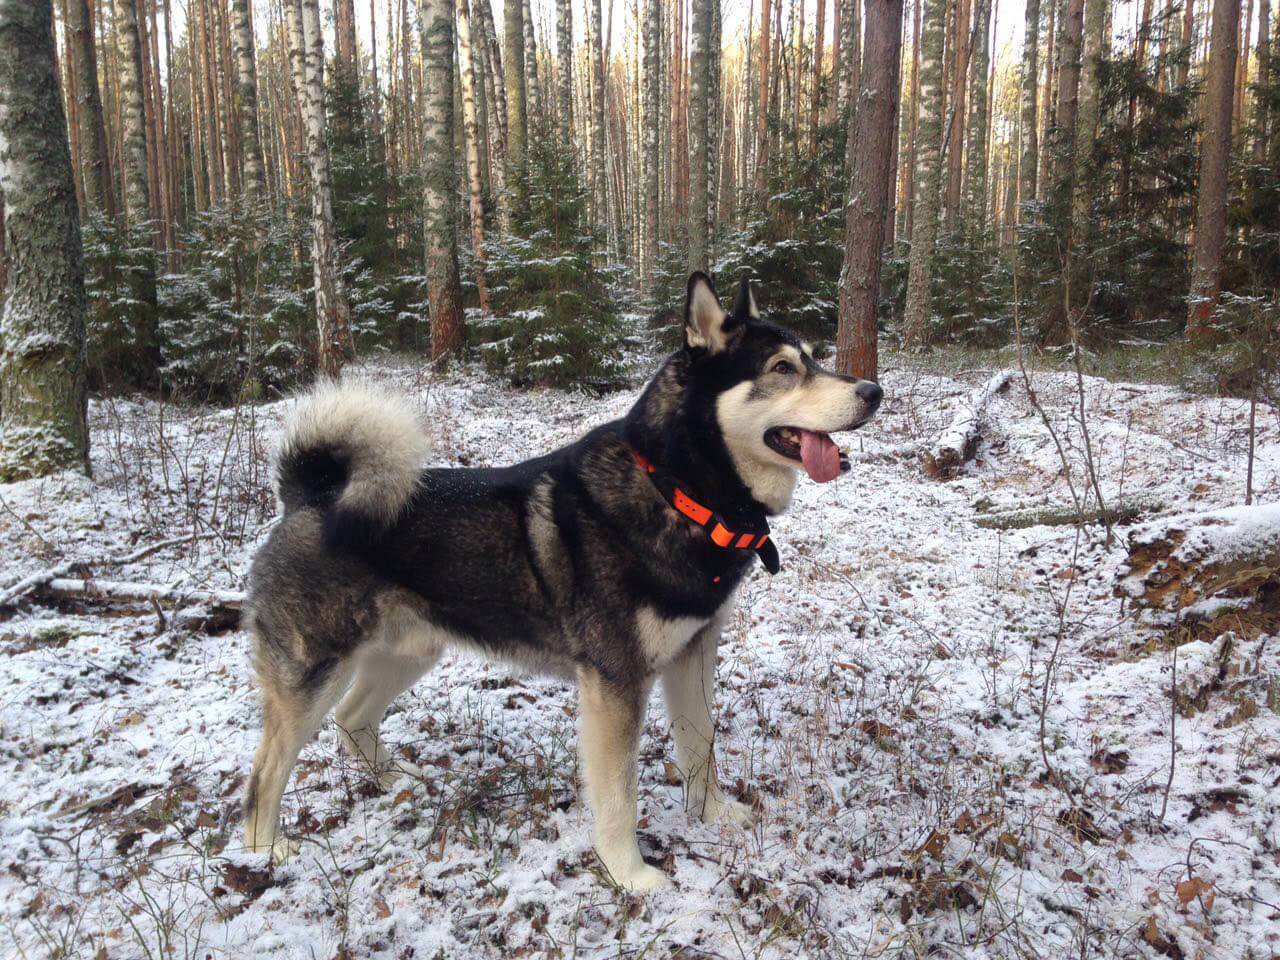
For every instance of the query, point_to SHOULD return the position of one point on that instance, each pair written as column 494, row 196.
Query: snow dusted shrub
column 555, row 322
column 120, row 350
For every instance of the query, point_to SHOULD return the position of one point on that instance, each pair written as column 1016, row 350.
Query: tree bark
column 818, row 29
column 564, row 54
column 1030, row 92
column 975, row 175
column 1088, row 115
column 496, row 93
column 1261, row 114
column 851, row 62
column 43, row 398
column 247, row 77
column 651, row 31
column 95, row 159
column 1215, row 147
column 956, row 106
column 517, row 112
column 699, row 41
column 924, row 233
column 599, row 152
column 466, row 59
column 1063, row 145
column 333, row 316
column 871, row 183
column 533, row 91
column 444, row 292
column 762, row 111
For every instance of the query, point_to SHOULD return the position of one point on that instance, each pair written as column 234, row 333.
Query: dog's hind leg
column 689, row 687
column 291, row 714
column 611, row 721
column 380, row 678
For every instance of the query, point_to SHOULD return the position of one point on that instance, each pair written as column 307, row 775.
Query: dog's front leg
column 611, row 721
column 689, row 687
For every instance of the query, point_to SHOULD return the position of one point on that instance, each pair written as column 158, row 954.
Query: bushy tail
column 355, row 450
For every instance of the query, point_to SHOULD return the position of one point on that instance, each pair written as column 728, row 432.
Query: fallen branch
column 44, row 577
column 1125, row 511
column 125, row 592
column 959, row 442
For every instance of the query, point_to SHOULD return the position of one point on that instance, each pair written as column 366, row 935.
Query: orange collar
column 722, row 535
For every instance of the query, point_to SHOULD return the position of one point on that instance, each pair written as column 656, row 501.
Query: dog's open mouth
column 815, row 451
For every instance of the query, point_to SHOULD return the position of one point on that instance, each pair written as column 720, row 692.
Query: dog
column 613, row 561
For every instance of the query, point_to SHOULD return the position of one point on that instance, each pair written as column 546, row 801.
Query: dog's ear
column 706, row 325
column 744, row 304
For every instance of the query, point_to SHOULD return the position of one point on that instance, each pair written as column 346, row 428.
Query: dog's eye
column 783, row 366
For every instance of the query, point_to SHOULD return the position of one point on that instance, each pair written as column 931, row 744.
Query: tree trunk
column 1048, row 104
column 444, row 293
column 533, row 106
column 1215, row 148
column 911, row 121
column 975, row 173
column 43, row 398
column 92, row 134
column 818, row 29
column 564, row 54
column 599, row 152
column 1069, row 37
column 871, row 183
column 762, row 112
column 699, row 41
column 333, row 317
column 247, row 76
column 1087, row 117
column 517, row 112
column 1030, row 91
column 651, row 31
column 956, row 105
column 924, row 233
column 715, row 128
column 851, row 63
column 1261, row 116
column 466, row 60
column 496, row 93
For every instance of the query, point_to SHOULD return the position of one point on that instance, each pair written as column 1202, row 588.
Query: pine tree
column 1030, row 93
column 871, row 185
column 924, row 233
column 699, row 119
column 43, row 397
column 1215, row 148
column 95, row 162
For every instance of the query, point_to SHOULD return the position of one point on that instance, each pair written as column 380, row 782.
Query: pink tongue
column 820, row 456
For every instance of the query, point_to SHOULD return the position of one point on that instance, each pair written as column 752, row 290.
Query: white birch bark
column 254, row 176
column 472, row 134
column 306, row 55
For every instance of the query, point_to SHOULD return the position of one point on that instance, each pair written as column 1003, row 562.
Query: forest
column 1016, row 689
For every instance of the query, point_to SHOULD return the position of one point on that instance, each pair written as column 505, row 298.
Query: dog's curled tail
column 355, row 450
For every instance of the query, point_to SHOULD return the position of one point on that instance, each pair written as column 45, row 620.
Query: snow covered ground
column 880, row 700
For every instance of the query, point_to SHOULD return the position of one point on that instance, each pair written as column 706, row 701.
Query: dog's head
column 775, row 406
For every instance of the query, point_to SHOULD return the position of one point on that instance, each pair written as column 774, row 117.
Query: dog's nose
column 870, row 393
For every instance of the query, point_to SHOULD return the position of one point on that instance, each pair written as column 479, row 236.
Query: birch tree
column 444, row 292
column 871, row 184
column 43, row 401
column 467, row 54
column 254, row 177
column 517, row 108
column 924, row 227
column 496, row 93
column 564, row 54
column 1215, row 147
column 1029, row 93
column 306, row 55
column 975, row 174
column 1088, row 114
column 598, row 174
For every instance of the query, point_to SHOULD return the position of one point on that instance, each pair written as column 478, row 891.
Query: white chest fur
column 663, row 639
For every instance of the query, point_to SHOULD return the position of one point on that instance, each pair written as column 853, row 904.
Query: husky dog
column 613, row 560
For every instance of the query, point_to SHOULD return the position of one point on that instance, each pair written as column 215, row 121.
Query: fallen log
column 1126, row 511
column 36, row 581
column 1199, row 563
column 126, row 592
column 958, row 444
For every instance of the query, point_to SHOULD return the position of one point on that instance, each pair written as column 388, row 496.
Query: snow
column 880, row 699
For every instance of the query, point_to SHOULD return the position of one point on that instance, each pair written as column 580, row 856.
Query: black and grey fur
column 572, row 563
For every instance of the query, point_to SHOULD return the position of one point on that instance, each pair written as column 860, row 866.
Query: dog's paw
column 283, row 850
column 393, row 771
column 724, row 810
column 642, row 879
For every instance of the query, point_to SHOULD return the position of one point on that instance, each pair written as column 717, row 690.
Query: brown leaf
column 935, row 845
column 1072, row 876
column 1188, row 890
column 381, row 909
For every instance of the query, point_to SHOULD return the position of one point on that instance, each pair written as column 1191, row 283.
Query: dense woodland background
column 264, row 188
